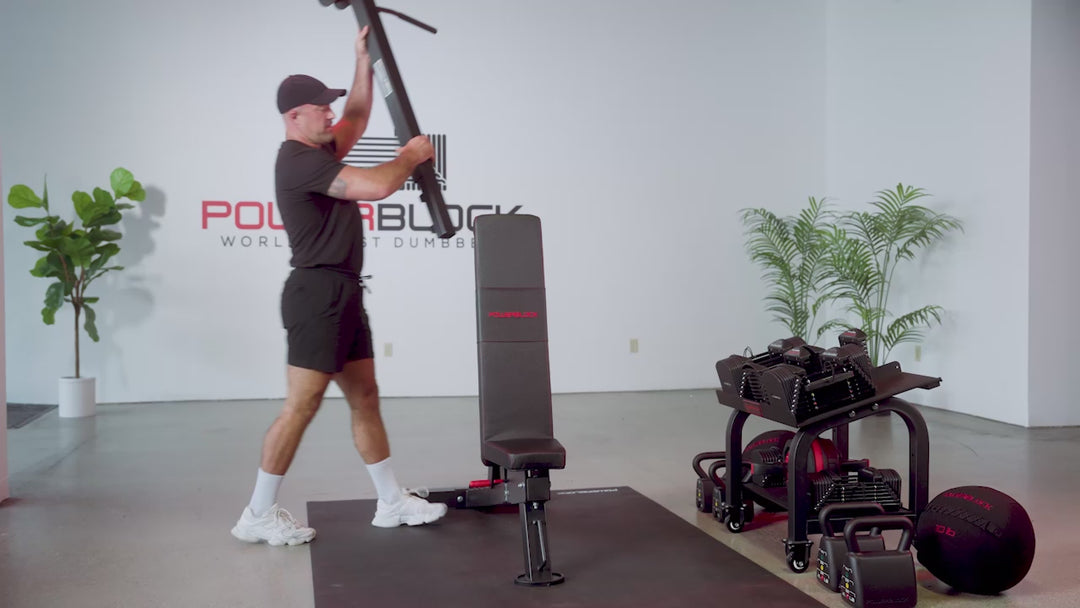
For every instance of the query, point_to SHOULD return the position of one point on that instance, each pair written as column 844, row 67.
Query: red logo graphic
column 512, row 314
column 763, row 442
column 968, row 497
column 247, row 215
column 946, row 530
column 752, row 406
column 382, row 217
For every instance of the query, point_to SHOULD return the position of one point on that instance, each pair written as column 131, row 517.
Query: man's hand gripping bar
column 397, row 101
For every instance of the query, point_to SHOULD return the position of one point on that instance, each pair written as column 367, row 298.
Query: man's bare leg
column 306, row 388
column 263, row 520
column 357, row 381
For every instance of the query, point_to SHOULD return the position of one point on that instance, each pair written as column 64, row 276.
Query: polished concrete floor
column 133, row 507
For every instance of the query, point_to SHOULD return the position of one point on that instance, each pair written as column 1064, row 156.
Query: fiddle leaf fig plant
column 76, row 253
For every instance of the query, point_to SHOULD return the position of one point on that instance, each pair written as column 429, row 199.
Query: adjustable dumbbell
column 832, row 550
column 879, row 578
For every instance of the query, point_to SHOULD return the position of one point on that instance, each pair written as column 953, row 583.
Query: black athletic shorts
column 324, row 317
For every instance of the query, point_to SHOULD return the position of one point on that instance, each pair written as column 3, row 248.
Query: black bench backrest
column 512, row 339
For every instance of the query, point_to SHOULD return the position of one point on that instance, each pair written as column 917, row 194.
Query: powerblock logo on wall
column 371, row 151
column 407, row 224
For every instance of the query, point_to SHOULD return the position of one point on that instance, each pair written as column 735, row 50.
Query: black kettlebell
column 879, row 578
column 832, row 550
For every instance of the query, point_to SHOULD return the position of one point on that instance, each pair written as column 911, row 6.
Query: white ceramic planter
column 77, row 397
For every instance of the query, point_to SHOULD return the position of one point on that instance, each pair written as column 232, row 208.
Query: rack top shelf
column 888, row 379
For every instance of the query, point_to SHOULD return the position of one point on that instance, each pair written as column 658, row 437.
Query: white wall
column 634, row 135
column 636, row 140
column 937, row 95
column 1055, row 212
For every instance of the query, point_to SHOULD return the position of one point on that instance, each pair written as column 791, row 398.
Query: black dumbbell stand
column 794, row 498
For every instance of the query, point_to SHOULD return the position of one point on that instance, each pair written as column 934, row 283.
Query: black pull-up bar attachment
column 397, row 101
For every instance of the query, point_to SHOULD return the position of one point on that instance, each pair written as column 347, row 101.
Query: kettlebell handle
column 884, row 522
column 832, row 511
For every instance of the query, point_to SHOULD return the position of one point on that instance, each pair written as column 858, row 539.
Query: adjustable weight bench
column 517, row 441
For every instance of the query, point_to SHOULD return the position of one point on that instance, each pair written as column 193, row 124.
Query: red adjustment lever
column 483, row 483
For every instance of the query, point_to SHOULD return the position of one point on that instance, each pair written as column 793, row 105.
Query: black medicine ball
column 975, row 539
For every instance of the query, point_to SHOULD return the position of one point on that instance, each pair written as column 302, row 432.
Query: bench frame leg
column 534, row 539
column 530, row 490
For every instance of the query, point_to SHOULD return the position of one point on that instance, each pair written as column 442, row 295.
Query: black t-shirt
column 323, row 231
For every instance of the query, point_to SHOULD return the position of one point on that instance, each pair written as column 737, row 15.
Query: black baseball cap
column 299, row 89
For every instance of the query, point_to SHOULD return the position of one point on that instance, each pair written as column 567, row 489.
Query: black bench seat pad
column 526, row 453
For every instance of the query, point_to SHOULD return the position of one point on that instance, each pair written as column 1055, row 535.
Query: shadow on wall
column 132, row 290
column 139, row 225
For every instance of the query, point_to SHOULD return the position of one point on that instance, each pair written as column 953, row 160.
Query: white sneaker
column 410, row 510
column 277, row 527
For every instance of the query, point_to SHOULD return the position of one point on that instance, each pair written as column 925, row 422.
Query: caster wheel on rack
column 797, row 565
column 738, row 518
column 798, row 557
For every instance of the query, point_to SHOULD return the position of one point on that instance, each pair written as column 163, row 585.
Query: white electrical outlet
column 633, row 345
column 388, row 349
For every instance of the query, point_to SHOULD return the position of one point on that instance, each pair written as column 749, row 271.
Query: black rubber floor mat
column 22, row 414
column 614, row 546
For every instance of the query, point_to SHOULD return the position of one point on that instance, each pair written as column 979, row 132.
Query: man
column 321, row 305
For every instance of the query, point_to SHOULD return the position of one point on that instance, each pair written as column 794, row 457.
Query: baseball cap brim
column 301, row 89
column 327, row 97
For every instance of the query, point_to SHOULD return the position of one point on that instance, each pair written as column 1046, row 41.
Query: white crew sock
column 265, row 494
column 386, row 484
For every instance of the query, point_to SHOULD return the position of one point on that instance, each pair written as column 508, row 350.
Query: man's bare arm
column 354, row 118
column 378, row 182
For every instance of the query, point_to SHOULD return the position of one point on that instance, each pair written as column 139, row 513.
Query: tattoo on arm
column 337, row 188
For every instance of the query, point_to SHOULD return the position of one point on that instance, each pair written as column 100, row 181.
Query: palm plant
column 866, row 248
column 793, row 252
